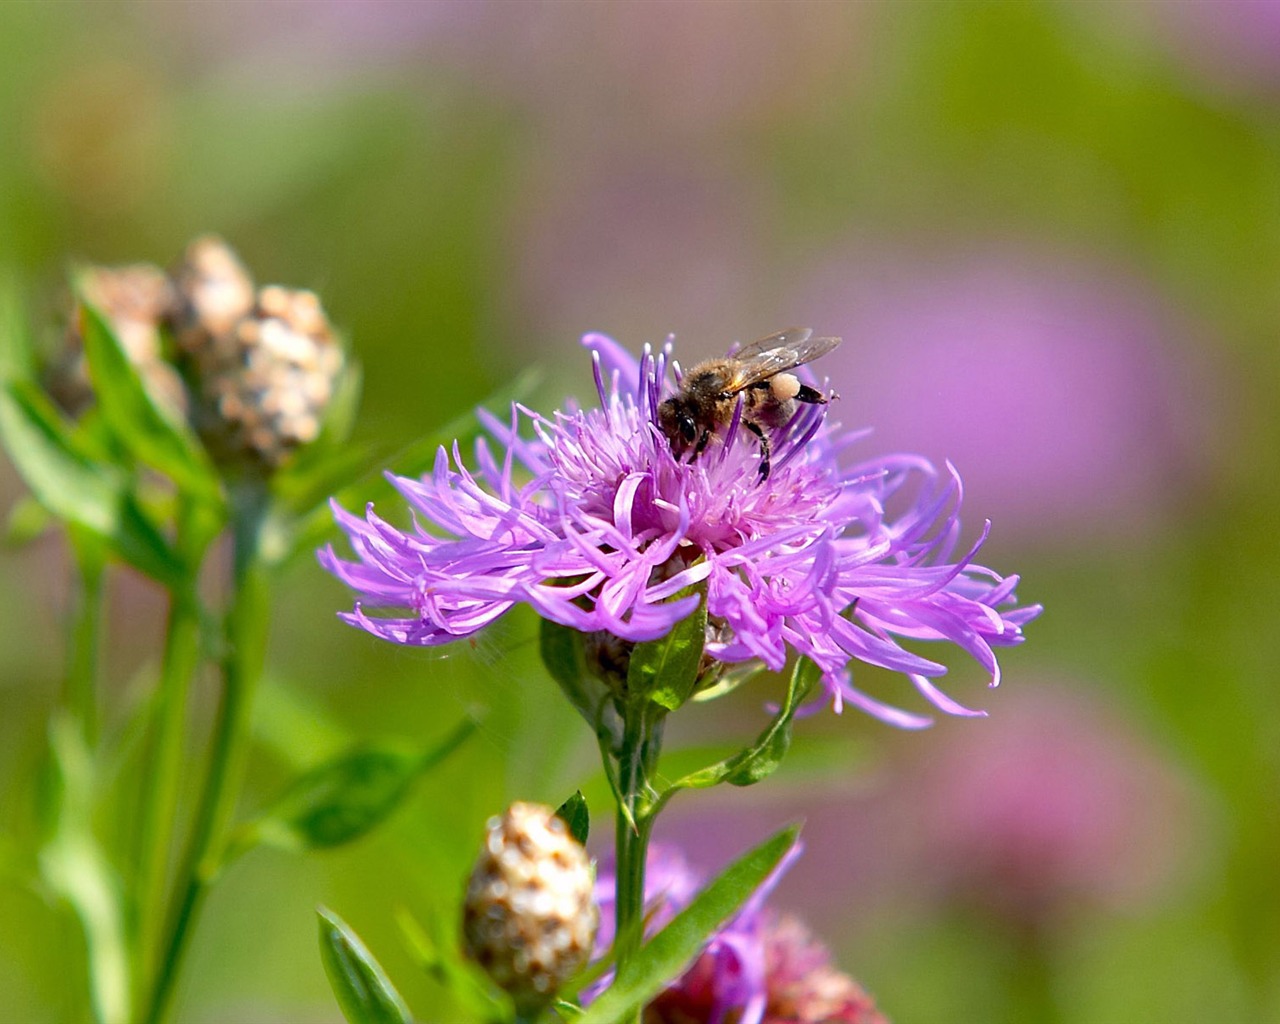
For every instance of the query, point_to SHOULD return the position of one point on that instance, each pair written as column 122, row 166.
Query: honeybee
column 759, row 373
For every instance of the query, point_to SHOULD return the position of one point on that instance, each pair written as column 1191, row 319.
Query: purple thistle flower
column 760, row 968
column 597, row 525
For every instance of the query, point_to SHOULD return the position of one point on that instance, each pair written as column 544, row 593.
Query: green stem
column 86, row 632
column 157, row 829
column 637, row 760
column 1031, row 975
column 246, row 629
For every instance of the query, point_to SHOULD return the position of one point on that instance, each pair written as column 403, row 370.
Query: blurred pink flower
column 1054, row 806
column 593, row 72
column 1233, row 44
column 1059, row 390
column 607, row 72
column 760, row 968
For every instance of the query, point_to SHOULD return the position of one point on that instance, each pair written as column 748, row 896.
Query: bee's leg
column 702, row 443
column 811, row 396
column 764, row 447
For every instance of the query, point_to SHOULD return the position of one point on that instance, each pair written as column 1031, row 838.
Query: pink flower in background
column 1055, row 807
column 1061, row 390
column 760, row 968
column 1234, row 44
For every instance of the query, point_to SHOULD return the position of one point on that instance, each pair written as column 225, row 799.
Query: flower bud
column 529, row 919
column 214, row 290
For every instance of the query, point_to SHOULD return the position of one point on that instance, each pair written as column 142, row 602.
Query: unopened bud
column 530, row 919
column 214, row 291
column 264, row 365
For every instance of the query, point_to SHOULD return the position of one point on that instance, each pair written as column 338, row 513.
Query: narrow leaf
column 343, row 799
column 573, row 812
column 362, row 988
column 340, row 413
column 315, row 527
column 74, row 866
column 28, row 519
column 762, row 758
column 71, row 486
column 318, row 472
column 669, row 953
column 152, row 435
column 565, row 660
column 435, row 950
column 666, row 670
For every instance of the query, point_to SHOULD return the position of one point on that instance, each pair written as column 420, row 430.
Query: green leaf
column 318, row 472
column 436, row 952
column 672, row 950
column 290, row 723
column 74, row 866
column 343, row 799
column 761, row 759
column 573, row 812
column 340, row 413
column 17, row 357
column 363, row 990
column 317, row 526
column 150, row 434
column 666, row 670
column 62, row 476
column 565, row 660
column 28, row 519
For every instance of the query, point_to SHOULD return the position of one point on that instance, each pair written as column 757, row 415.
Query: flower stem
column 80, row 695
column 246, row 628
column 163, row 782
column 637, row 759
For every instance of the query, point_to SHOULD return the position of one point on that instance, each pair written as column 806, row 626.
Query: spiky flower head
column 530, row 916
column 596, row 524
column 760, row 968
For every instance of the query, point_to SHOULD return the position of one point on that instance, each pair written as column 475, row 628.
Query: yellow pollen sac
column 784, row 386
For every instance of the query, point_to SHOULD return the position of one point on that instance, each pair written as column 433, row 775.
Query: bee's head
column 677, row 422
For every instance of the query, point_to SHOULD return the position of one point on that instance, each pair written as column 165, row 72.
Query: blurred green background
column 1050, row 235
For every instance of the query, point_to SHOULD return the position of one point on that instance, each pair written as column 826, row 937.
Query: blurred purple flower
column 1234, row 44
column 1047, row 381
column 1056, row 807
column 608, row 526
column 758, row 969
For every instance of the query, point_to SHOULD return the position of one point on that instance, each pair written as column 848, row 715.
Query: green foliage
column 74, row 866
column 670, row 952
column 573, row 812
column 565, row 660
column 357, row 482
column 363, row 990
column 56, row 465
column 435, row 950
column 344, row 798
column 149, row 433
column 666, row 670
column 762, row 758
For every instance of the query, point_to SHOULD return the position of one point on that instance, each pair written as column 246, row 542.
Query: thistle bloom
column 598, row 526
column 760, row 968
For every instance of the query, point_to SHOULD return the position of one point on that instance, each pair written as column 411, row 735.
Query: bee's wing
column 777, row 353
